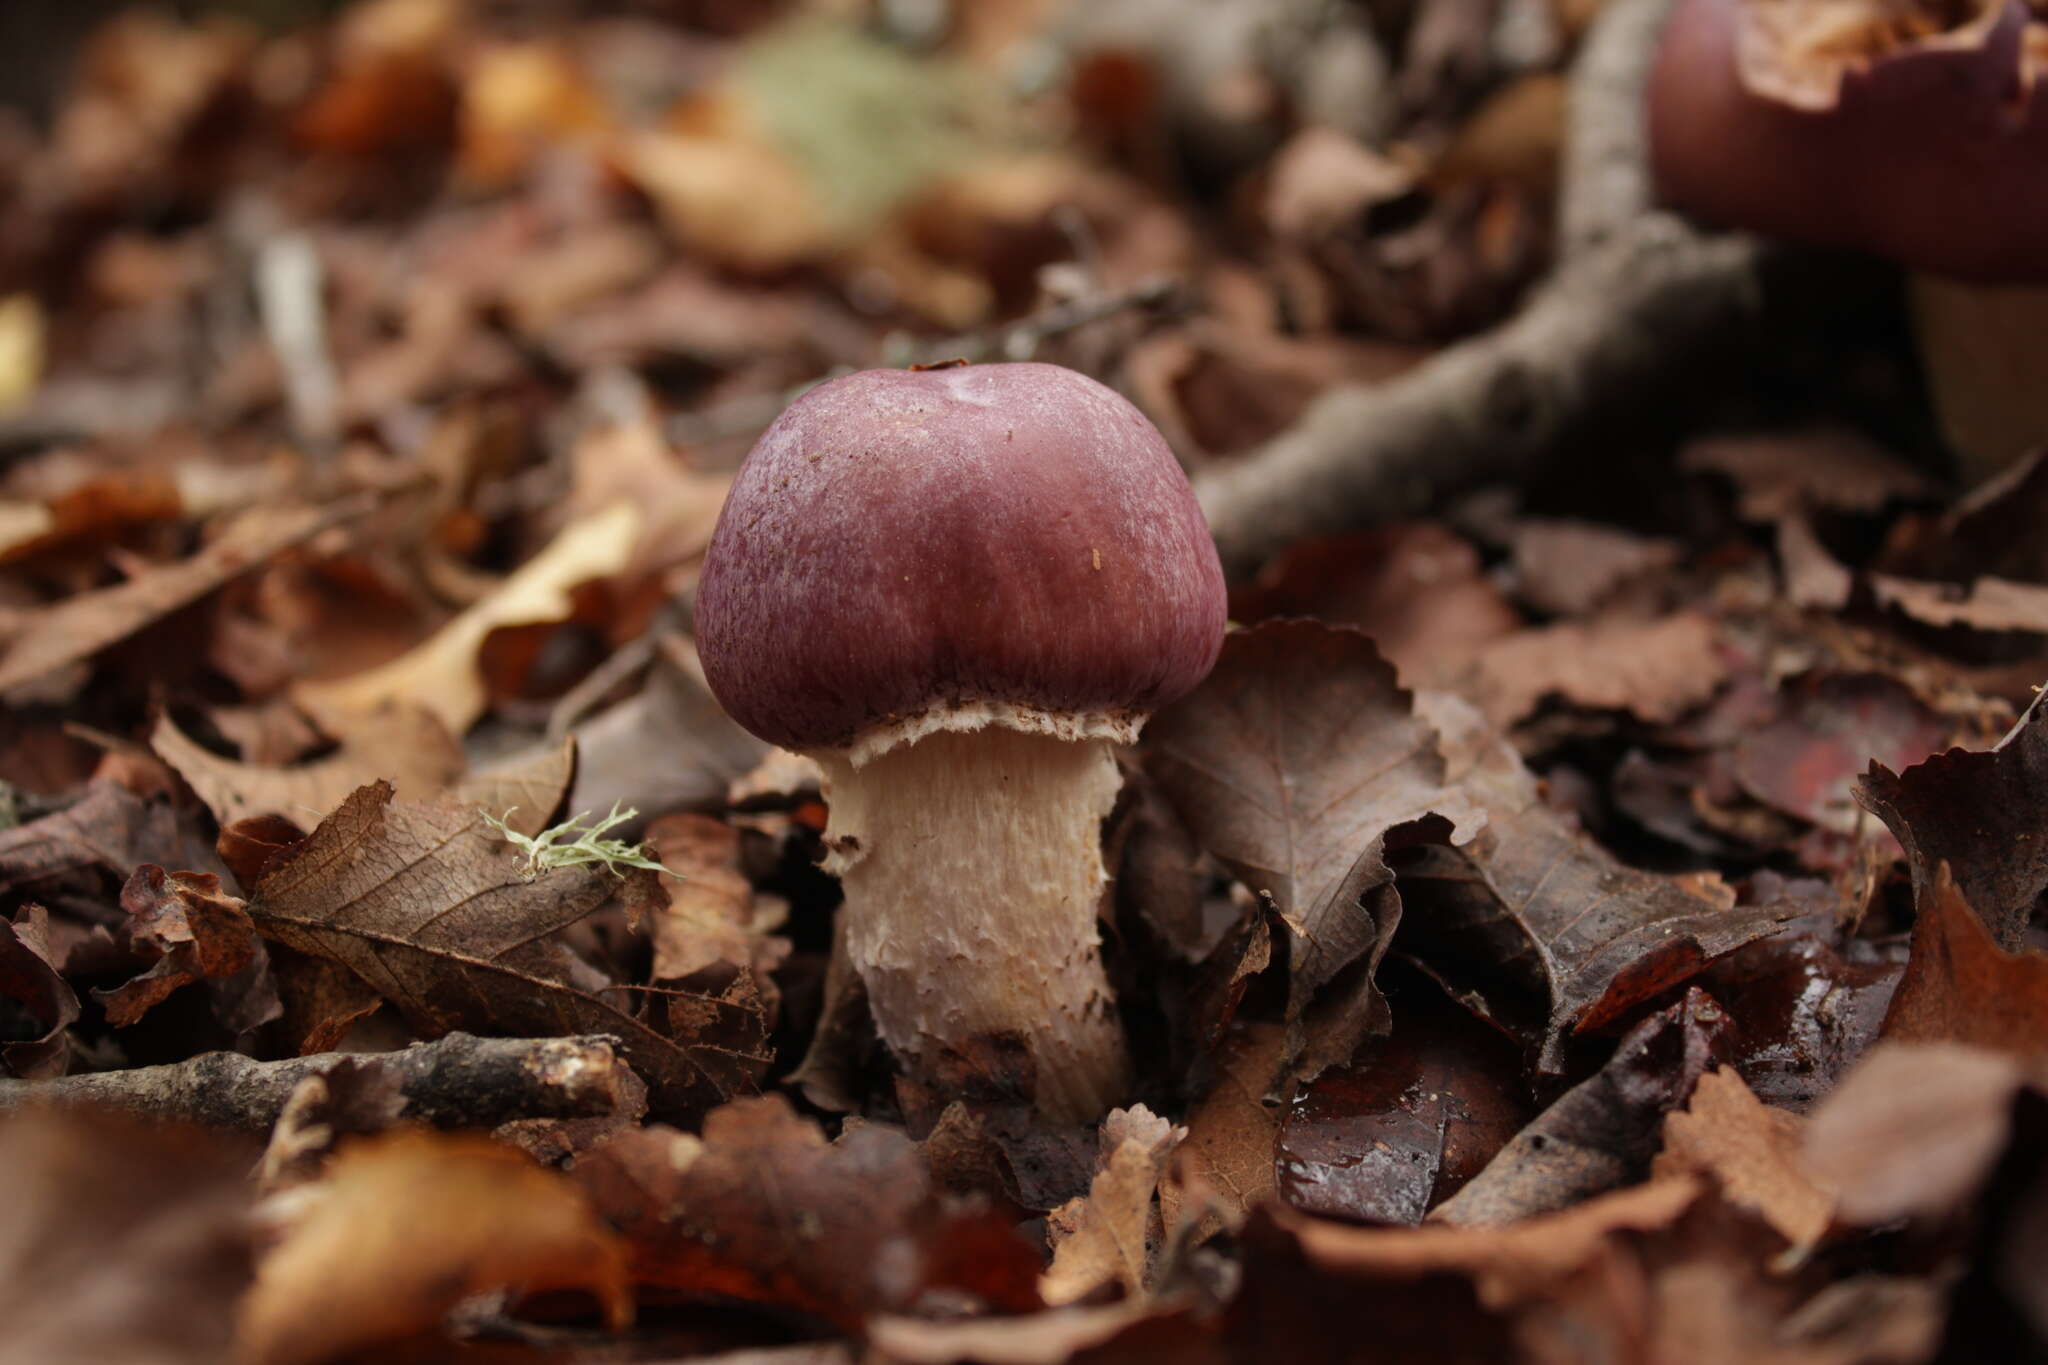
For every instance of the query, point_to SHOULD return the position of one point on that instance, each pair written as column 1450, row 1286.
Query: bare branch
column 460, row 1081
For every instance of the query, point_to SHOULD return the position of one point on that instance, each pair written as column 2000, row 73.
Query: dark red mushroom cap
column 1915, row 132
column 901, row 542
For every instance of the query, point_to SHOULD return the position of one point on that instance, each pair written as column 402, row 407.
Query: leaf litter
column 1592, row 914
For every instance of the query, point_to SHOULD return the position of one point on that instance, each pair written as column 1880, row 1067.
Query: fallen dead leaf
column 1828, row 468
column 524, row 790
column 1408, row 1123
column 1233, row 1131
column 1290, row 764
column 427, row 904
column 1975, row 811
column 30, row 980
column 1914, row 1130
column 1603, row 1132
column 1418, row 589
column 1961, row 987
column 406, row 1226
column 81, row 626
column 1317, row 1288
column 441, row 673
column 120, row 1241
column 197, row 932
column 1829, row 727
column 401, row 742
column 86, row 852
column 763, row 1208
column 1803, row 1012
column 1988, row 604
column 1555, row 917
column 1107, row 1237
column 1571, row 568
column 1752, row 1152
column 21, row 349
column 1655, row 669
column 713, row 915
column 1112, row 1334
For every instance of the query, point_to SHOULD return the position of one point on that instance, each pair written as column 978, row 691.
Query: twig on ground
column 460, row 1081
column 1609, row 333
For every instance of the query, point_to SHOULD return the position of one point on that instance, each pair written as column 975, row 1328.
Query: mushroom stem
column 972, row 865
column 1985, row 347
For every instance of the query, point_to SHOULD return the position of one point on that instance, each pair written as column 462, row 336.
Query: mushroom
column 960, row 589
column 1911, row 129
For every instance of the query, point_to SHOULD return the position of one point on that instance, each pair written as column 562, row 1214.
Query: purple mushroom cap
column 903, row 540
column 1932, row 152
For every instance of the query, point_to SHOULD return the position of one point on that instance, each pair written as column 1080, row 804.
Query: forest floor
column 1591, row 913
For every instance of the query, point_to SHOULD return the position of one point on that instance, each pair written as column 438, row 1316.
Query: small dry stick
column 460, row 1081
column 1639, row 296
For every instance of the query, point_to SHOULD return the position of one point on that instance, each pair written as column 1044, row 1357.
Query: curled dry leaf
column 1977, row 812
column 1545, row 912
column 31, row 983
column 1752, row 1152
column 1108, row 1236
column 119, row 1241
column 1447, row 1293
column 441, row 673
column 427, row 905
column 402, row 742
column 406, row 1226
column 81, row 626
column 197, row 931
column 1602, row 1132
column 1291, row 764
column 763, row 1208
column 86, row 851
column 1961, row 987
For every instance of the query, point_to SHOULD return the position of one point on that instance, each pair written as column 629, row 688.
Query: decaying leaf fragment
column 441, row 673
column 1107, row 1236
column 199, row 932
column 1563, row 921
column 30, row 981
column 403, row 1228
column 403, row 743
column 427, row 905
column 1753, row 1152
column 1290, row 764
column 763, row 1208
column 1979, row 812
column 1603, row 1132
column 81, row 626
column 119, row 1241
column 1961, row 987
